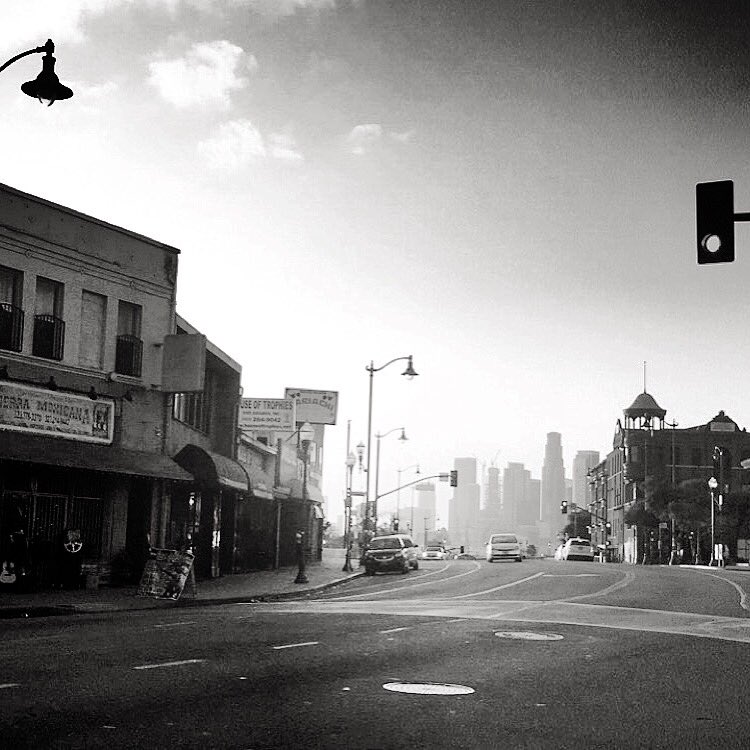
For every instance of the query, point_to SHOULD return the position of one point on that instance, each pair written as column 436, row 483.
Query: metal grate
column 129, row 356
column 49, row 337
column 11, row 327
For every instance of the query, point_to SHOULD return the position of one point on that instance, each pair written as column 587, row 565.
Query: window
column 194, row 408
column 49, row 327
column 11, row 312
column 93, row 318
column 129, row 352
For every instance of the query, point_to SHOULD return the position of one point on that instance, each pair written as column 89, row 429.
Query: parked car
column 578, row 549
column 435, row 552
column 559, row 552
column 503, row 547
column 392, row 552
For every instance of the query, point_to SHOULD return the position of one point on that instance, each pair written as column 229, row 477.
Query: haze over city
column 503, row 190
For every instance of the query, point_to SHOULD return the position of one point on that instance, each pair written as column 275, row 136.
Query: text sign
column 40, row 411
column 165, row 573
column 315, row 407
column 267, row 414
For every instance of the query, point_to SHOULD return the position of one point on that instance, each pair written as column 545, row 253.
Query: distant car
column 393, row 552
column 435, row 552
column 578, row 549
column 559, row 552
column 503, row 547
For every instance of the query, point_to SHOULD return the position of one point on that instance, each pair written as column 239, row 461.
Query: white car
column 578, row 549
column 435, row 552
column 503, row 547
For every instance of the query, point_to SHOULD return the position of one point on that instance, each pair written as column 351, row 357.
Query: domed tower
column 644, row 420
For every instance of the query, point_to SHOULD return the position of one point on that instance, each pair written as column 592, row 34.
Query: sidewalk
column 266, row 585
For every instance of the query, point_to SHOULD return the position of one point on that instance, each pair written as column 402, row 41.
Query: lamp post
column 46, row 87
column 350, row 461
column 712, row 485
column 398, row 495
column 304, row 435
column 409, row 372
column 378, row 436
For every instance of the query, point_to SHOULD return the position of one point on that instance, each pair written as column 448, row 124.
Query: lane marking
column 176, row 624
column 743, row 595
column 296, row 645
column 170, row 664
column 394, row 630
column 407, row 586
column 572, row 575
column 10, row 685
column 626, row 581
column 498, row 588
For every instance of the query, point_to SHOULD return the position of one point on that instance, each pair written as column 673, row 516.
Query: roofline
column 78, row 214
column 218, row 353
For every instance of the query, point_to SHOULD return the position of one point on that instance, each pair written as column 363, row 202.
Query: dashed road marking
column 6, row 685
column 170, row 664
column 296, row 645
column 394, row 630
column 175, row 624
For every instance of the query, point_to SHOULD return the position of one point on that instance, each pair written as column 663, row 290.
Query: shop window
column 49, row 327
column 93, row 320
column 11, row 311
column 129, row 350
column 195, row 408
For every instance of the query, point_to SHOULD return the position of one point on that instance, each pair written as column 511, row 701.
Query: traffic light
column 395, row 525
column 454, row 478
column 564, row 507
column 608, row 527
column 714, row 220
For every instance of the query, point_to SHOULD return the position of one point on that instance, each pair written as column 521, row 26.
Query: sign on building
column 315, row 407
column 267, row 414
column 67, row 415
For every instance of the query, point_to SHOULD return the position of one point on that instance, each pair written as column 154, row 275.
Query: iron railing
column 11, row 327
column 129, row 356
column 49, row 337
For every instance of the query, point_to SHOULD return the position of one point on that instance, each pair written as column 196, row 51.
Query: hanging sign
column 266, row 414
column 315, row 407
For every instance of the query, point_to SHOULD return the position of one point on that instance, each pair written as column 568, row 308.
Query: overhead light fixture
column 46, row 87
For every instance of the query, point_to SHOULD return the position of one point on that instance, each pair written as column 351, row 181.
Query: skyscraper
column 553, row 479
column 464, row 505
column 583, row 461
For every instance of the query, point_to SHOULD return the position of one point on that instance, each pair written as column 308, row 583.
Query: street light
column 305, row 435
column 712, row 485
column 398, row 495
column 46, row 87
column 378, row 436
column 350, row 461
column 409, row 372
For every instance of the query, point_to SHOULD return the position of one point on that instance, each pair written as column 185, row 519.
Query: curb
column 58, row 610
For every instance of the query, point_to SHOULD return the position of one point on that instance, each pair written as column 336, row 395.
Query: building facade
column 553, row 479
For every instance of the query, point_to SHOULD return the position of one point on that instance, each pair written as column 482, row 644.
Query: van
column 503, row 546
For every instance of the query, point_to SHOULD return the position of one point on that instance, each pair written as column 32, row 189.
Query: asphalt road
column 538, row 655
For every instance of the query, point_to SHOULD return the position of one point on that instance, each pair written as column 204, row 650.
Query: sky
column 504, row 190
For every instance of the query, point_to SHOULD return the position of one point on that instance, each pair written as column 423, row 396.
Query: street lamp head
column 410, row 372
column 306, row 433
column 46, row 87
column 350, row 460
column 712, row 483
column 402, row 436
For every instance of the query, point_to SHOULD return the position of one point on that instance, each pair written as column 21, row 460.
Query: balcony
column 49, row 337
column 129, row 356
column 11, row 327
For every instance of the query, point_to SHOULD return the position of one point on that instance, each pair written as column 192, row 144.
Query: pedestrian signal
column 454, row 478
column 564, row 507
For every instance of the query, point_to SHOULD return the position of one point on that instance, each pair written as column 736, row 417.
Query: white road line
column 170, row 664
column 296, row 645
column 743, row 595
column 175, row 624
column 629, row 578
column 497, row 588
column 10, row 685
column 376, row 592
column 394, row 630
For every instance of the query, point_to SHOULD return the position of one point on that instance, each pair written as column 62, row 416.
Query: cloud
column 363, row 137
column 404, row 137
column 237, row 143
column 206, row 75
column 284, row 7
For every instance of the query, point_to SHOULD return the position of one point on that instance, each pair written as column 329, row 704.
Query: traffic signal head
column 608, row 527
column 564, row 506
column 714, row 220
column 395, row 525
column 454, row 478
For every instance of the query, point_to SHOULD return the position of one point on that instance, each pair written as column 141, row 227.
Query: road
column 537, row 655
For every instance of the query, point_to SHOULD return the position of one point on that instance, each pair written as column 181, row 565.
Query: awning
column 313, row 493
column 38, row 449
column 212, row 468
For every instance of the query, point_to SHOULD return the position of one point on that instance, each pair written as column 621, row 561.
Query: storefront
column 204, row 516
column 105, row 495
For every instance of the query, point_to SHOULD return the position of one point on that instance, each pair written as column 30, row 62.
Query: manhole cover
column 516, row 635
column 428, row 688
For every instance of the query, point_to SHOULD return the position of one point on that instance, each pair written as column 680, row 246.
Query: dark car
column 393, row 552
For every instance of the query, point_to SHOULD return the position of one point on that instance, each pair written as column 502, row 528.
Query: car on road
column 391, row 552
column 578, row 549
column 503, row 547
column 559, row 552
column 435, row 552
